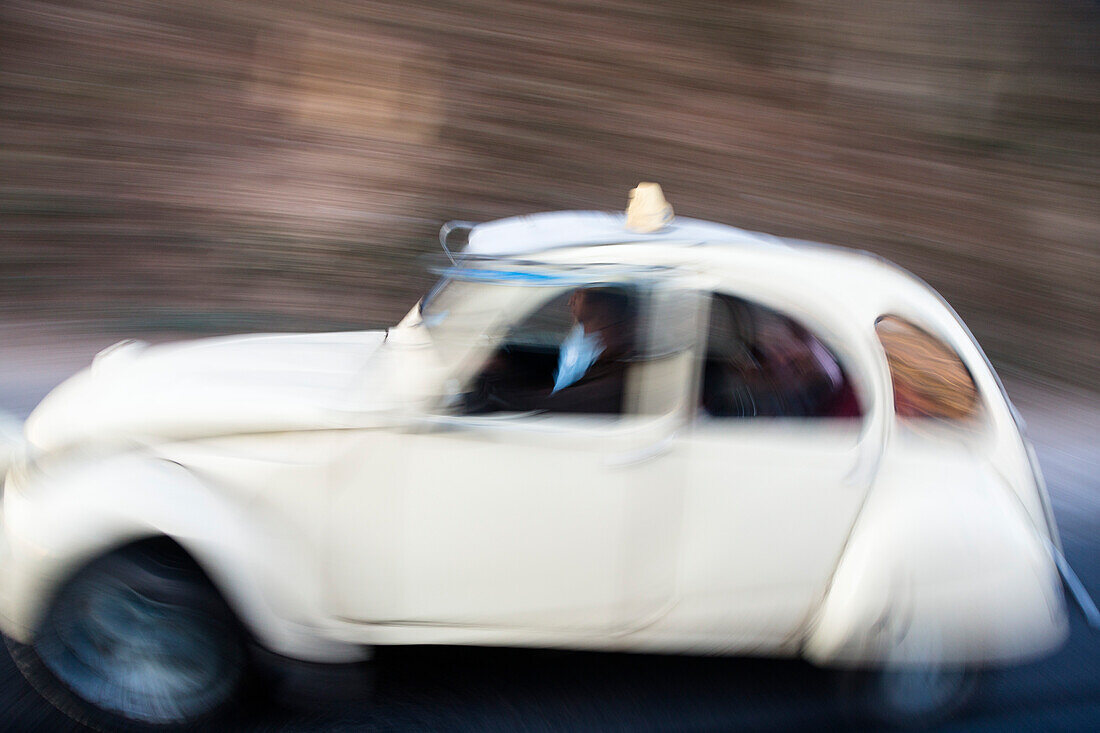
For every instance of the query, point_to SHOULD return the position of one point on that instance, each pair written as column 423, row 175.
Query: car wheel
column 914, row 698
column 138, row 639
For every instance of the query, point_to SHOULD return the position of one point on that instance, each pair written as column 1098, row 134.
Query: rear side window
column 761, row 363
column 929, row 378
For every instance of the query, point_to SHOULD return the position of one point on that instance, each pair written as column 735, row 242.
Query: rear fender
column 943, row 566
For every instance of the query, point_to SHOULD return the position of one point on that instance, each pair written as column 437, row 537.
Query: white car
column 599, row 431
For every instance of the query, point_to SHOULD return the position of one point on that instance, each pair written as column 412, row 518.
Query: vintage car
column 598, row 431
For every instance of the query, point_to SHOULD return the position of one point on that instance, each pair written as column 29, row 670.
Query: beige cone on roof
column 648, row 211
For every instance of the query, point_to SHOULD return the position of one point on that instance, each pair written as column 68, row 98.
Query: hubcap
column 136, row 656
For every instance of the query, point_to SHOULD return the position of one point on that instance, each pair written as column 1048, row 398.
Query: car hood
column 217, row 386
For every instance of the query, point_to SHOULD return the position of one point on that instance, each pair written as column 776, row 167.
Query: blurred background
column 221, row 165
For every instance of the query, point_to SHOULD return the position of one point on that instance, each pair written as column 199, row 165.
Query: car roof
column 862, row 280
column 524, row 235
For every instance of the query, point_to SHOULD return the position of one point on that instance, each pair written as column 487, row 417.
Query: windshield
column 460, row 312
column 472, row 305
column 464, row 292
column 452, row 301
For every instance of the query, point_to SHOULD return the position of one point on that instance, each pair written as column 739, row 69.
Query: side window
column 569, row 356
column 929, row 378
column 760, row 363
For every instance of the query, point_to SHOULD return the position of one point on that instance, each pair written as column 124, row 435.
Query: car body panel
column 216, row 386
column 944, row 565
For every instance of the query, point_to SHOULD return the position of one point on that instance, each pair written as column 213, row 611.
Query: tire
column 915, row 698
column 138, row 640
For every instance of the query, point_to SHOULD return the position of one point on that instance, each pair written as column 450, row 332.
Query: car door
column 532, row 519
column 778, row 463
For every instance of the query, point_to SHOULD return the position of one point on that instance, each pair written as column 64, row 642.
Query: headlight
column 24, row 468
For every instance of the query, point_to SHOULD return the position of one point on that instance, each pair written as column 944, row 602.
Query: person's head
column 604, row 311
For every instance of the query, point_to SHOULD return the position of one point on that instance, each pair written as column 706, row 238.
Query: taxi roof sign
column 648, row 210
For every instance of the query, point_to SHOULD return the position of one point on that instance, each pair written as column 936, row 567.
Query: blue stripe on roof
column 513, row 276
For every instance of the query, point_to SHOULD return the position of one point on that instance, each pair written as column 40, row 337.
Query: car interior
column 761, row 363
column 758, row 363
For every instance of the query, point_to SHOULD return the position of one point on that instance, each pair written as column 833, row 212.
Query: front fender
column 54, row 525
column 943, row 566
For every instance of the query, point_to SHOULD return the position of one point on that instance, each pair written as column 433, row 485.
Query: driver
column 590, row 373
column 592, row 360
